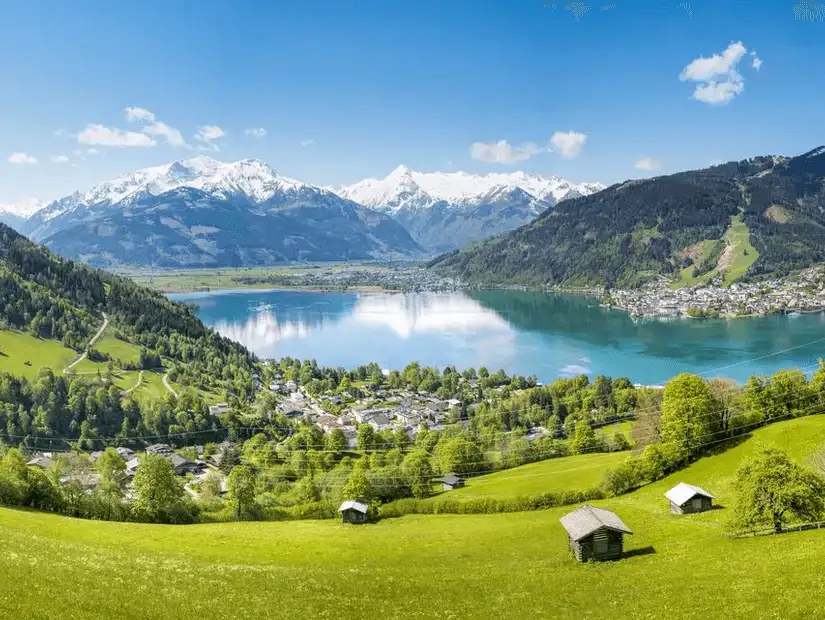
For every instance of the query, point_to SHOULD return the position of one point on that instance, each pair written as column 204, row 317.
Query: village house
column 351, row 433
column 42, row 461
column 688, row 499
column 595, row 533
column 451, row 481
column 353, row 512
column 125, row 453
column 131, row 466
column 161, row 449
column 409, row 417
column 327, row 422
column 182, row 465
column 379, row 422
column 291, row 386
column 218, row 409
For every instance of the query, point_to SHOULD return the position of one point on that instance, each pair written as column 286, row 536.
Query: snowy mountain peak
column 23, row 209
column 404, row 188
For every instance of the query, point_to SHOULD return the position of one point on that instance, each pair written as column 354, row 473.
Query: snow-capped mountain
column 201, row 211
column 15, row 215
column 447, row 210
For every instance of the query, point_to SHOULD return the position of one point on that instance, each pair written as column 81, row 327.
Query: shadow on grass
column 649, row 550
column 724, row 446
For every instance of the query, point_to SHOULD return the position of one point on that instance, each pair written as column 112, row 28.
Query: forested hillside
column 758, row 217
column 52, row 298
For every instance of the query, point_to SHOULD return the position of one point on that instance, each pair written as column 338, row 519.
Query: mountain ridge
column 446, row 210
column 687, row 226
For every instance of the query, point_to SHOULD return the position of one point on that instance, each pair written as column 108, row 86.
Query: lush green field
column 117, row 349
column 230, row 278
column 17, row 348
column 742, row 253
column 448, row 566
column 571, row 472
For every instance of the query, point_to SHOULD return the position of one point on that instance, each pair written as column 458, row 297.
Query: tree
column 112, row 470
column 155, row 488
column 241, row 486
column 419, row 472
column 358, row 485
column 773, row 490
column 690, row 414
column 366, row 437
column 729, row 398
column 400, row 438
column 336, row 441
column 584, row 438
column 461, row 456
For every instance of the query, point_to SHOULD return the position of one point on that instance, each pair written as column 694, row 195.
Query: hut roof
column 353, row 505
column 451, row 479
column 588, row 519
column 682, row 493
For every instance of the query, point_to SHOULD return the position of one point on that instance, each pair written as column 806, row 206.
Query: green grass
column 117, row 349
column 744, row 254
column 572, row 472
column 505, row 566
column 229, row 278
column 17, row 348
column 686, row 277
column 625, row 428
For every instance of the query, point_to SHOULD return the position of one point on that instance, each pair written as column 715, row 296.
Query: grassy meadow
column 441, row 566
column 17, row 348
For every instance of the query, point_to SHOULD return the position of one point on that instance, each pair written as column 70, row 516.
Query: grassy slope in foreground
column 503, row 566
column 571, row 472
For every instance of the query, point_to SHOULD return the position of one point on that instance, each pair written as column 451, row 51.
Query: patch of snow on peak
column 24, row 208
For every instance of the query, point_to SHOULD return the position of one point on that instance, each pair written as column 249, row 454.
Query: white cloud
column 101, row 135
column 502, row 152
column 207, row 133
column 567, row 143
column 717, row 77
column 58, row 159
column 309, row 142
column 22, row 158
column 173, row 136
column 92, row 151
column 255, row 132
column 139, row 114
column 647, row 163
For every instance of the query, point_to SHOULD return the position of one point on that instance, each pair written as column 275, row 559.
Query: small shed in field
column 686, row 499
column 353, row 511
column 595, row 533
column 451, row 481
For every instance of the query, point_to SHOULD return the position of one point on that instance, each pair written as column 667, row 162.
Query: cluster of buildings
column 386, row 278
column 803, row 293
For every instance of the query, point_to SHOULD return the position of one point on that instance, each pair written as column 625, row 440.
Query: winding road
column 135, row 386
column 169, row 387
column 90, row 344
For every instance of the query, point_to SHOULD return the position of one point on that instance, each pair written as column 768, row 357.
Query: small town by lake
column 546, row 335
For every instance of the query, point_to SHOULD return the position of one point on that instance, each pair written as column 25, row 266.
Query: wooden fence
column 800, row 527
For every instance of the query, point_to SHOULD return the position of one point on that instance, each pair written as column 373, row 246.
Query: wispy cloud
column 309, row 142
column 100, row 135
column 207, row 134
column 58, row 159
column 139, row 114
column 647, row 163
column 255, row 132
column 502, row 152
column 22, row 158
column 718, row 79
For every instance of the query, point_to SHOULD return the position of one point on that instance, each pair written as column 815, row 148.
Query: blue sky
column 347, row 90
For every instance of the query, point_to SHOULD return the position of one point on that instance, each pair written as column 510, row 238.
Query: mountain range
column 763, row 216
column 202, row 212
column 445, row 211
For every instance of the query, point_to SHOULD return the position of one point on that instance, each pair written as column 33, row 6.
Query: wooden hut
column 686, row 499
column 451, row 481
column 595, row 533
column 353, row 511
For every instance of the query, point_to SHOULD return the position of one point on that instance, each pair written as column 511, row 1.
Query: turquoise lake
column 549, row 336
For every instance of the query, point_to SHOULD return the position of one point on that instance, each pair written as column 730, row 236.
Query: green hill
column 757, row 217
column 464, row 566
column 73, row 340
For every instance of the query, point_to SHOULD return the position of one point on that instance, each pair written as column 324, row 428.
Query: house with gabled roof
column 688, row 499
column 353, row 511
column 595, row 533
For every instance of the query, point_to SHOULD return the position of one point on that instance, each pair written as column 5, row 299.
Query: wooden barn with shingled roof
column 595, row 533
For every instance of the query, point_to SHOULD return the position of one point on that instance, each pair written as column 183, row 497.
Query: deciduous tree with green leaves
column 773, row 490
column 155, row 488
column 241, row 486
column 691, row 415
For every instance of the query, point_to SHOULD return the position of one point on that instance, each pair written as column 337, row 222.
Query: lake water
column 550, row 336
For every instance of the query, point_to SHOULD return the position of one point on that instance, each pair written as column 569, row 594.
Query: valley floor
column 443, row 566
